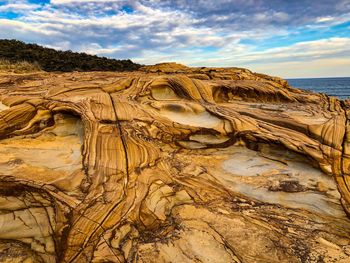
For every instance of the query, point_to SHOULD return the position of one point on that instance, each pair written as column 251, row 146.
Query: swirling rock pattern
column 171, row 164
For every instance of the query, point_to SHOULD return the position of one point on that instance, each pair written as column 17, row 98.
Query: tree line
column 55, row 60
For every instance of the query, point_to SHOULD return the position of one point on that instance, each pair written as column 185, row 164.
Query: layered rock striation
column 171, row 164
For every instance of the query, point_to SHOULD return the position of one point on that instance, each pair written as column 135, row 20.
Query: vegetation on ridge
column 48, row 59
column 18, row 67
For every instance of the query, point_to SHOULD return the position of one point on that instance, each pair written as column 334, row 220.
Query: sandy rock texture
column 171, row 164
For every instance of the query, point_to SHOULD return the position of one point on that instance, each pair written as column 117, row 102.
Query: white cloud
column 326, row 57
column 17, row 26
column 65, row 2
column 323, row 67
column 325, row 19
column 17, row 6
column 303, row 50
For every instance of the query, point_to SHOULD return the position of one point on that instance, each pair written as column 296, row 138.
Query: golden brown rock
column 171, row 164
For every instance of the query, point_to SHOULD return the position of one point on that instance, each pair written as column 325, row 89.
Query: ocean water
column 339, row 87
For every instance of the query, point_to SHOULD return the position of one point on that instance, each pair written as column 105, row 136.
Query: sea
column 338, row 87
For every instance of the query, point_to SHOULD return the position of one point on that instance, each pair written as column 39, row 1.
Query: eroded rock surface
column 171, row 164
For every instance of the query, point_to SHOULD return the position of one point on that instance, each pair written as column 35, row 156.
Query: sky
column 286, row 38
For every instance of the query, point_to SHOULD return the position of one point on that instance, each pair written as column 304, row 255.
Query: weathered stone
column 171, row 164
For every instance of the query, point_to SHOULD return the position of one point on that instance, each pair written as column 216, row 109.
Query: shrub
column 50, row 59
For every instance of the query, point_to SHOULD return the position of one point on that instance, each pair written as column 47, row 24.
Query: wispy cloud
column 17, row 7
column 246, row 33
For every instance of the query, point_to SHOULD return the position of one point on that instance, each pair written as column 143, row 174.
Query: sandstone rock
column 171, row 164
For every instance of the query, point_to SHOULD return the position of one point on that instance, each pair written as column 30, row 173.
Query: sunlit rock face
column 171, row 164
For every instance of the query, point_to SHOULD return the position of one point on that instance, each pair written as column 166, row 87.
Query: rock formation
column 171, row 164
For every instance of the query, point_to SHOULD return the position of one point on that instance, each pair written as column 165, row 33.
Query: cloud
column 325, row 19
column 18, row 6
column 303, row 51
column 65, row 2
column 23, row 28
column 323, row 67
column 325, row 57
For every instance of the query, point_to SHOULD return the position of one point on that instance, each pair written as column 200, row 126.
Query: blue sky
column 301, row 38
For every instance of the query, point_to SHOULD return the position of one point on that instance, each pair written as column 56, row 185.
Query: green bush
column 49, row 59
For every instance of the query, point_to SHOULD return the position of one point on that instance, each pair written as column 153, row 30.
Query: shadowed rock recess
column 171, row 164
